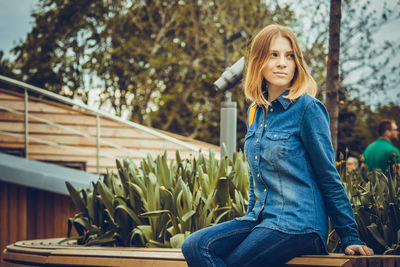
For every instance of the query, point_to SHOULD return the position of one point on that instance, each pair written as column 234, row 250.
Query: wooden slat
column 360, row 261
column 60, row 217
column 112, row 252
column 76, row 140
column 24, row 257
column 100, row 261
column 13, row 213
column 40, row 208
column 89, row 130
column 22, row 212
column 389, row 263
column 89, row 151
column 13, row 264
column 65, row 119
column 8, row 96
column 32, row 199
column 30, row 249
column 325, row 262
column 37, row 107
column 4, row 241
column 49, row 215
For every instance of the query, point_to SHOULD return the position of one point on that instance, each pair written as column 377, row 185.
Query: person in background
column 294, row 184
column 382, row 154
column 352, row 164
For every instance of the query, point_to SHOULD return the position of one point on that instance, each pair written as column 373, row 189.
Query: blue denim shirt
column 294, row 184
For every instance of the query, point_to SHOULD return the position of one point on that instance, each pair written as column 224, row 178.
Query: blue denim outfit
column 296, row 184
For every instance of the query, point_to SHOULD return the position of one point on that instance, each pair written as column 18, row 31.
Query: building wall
column 27, row 213
column 53, row 131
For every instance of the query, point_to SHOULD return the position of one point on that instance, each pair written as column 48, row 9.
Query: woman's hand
column 363, row 250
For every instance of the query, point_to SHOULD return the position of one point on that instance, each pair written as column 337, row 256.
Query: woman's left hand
column 363, row 250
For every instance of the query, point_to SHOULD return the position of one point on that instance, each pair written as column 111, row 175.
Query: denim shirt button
column 255, row 157
column 257, row 140
column 265, row 190
column 258, row 175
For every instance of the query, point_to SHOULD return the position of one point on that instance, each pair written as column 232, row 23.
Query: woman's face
column 281, row 65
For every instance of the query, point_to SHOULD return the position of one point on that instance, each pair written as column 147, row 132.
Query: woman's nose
column 282, row 61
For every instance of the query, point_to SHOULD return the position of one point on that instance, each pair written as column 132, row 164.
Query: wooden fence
column 27, row 213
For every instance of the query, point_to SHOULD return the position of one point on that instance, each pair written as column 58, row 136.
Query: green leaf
column 76, row 199
column 155, row 213
column 106, row 196
column 129, row 212
column 177, row 240
column 188, row 215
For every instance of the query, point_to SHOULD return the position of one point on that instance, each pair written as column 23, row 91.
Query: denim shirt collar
column 281, row 99
column 284, row 101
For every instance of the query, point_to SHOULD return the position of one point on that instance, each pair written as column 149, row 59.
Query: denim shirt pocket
column 281, row 144
column 275, row 145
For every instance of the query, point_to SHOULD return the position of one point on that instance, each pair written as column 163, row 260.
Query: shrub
column 375, row 199
column 158, row 204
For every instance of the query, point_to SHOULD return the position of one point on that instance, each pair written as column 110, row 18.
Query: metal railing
column 96, row 112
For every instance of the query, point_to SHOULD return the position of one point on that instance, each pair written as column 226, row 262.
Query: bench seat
column 48, row 252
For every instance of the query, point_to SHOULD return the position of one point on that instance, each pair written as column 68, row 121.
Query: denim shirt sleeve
column 316, row 138
column 252, row 196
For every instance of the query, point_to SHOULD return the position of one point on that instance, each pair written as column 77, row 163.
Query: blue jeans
column 238, row 243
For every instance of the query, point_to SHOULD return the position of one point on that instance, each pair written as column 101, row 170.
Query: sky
column 16, row 22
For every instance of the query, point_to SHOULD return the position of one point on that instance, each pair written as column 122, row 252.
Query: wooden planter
column 47, row 252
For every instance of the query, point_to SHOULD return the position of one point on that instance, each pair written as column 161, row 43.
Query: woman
column 294, row 184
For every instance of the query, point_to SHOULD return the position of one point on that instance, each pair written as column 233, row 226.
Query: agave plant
column 375, row 199
column 159, row 203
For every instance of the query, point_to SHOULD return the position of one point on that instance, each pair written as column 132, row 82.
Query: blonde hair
column 302, row 82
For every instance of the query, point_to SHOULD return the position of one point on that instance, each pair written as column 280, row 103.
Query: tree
column 332, row 76
column 152, row 61
column 367, row 66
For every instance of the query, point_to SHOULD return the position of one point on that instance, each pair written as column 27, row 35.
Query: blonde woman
column 294, row 185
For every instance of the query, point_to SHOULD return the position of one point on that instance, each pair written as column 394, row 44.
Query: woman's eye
column 291, row 55
column 274, row 54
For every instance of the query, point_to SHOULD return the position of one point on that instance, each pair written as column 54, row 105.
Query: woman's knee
column 187, row 244
column 192, row 243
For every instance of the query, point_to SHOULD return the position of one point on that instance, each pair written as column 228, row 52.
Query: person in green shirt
column 382, row 154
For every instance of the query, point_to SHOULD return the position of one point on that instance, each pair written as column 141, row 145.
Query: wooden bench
column 48, row 252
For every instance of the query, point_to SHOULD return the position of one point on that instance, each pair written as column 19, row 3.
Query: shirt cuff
column 351, row 241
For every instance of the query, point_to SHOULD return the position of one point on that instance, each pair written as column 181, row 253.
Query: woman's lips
column 281, row 74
